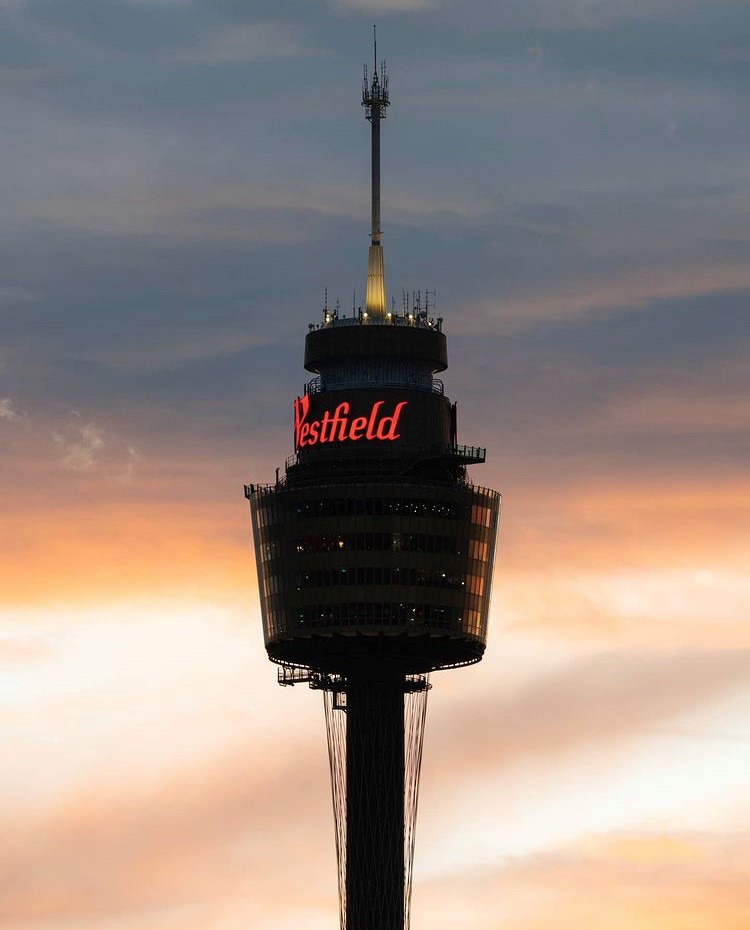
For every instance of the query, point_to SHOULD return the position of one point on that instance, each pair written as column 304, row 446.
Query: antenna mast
column 375, row 100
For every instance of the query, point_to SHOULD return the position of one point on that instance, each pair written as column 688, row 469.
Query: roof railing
column 361, row 318
column 471, row 455
column 315, row 385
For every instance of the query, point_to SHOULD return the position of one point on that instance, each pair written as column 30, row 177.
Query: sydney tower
column 374, row 552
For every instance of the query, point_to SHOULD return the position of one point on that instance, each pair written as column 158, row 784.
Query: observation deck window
column 390, row 575
column 381, row 542
column 380, row 506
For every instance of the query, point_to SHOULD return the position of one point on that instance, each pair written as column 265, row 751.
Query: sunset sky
column 180, row 181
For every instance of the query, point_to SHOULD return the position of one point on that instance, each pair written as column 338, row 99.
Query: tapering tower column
column 374, row 552
column 375, row 101
column 375, row 802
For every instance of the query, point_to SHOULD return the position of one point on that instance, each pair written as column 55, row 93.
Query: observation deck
column 395, row 573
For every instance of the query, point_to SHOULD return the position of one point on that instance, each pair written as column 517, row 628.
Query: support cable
column 336, row 737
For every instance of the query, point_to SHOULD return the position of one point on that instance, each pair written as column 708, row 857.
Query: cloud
column 174, row 351
column 260, row 214
column 386, row 6
column 197, row 836
column 25, row 649
column 217, row 831
column 178, row 179
column 658, row 880
column 599, row 699
column 536, row 54
column 82, row 545
column 601, row 14
column 80, row 445
column 688, row 409
column 594, row 295
column 14, row 296
column 7, row 411
column 85, row 447
column 243, row 42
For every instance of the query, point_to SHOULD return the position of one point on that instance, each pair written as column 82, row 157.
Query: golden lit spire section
column 375, row 303
column 375, row 101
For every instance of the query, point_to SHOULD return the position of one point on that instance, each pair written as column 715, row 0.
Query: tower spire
column 375, row 100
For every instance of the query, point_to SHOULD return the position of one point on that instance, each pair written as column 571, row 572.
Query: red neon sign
column 339, row 427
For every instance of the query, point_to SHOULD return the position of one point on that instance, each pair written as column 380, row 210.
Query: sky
column 181, row 180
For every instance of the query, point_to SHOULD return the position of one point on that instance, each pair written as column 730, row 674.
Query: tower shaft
column 375, row 804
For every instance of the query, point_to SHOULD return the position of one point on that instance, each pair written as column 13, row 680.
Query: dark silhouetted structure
column 374, row 553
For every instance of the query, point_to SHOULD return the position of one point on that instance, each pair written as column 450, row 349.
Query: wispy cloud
column 244, row 42
column 82, row 446
column 79, row 445
column 198, row 836
column 595, row 295
column 13, row 296
column 173, row 352
column 600, row 699
column 8, row 411
column 386, row 6
column 657, row 880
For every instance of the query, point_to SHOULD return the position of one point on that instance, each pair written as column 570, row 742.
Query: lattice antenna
column 375, row 100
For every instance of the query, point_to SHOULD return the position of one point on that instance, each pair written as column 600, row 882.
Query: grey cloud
column 385, row 6
column 244, row 42
column 651, row 393
column 8, row 411
column 114, row 25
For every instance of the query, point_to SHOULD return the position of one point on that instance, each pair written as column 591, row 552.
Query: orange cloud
column 213, row 831
column 598, row 699
column 632, row 882
column 109, row 550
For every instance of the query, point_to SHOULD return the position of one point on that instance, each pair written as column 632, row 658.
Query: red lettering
column 393, row 423
column 337, row 427
column 323, row 426
column 301, row 408
column 373, row 413
column 359, row 424
column 340, row 421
